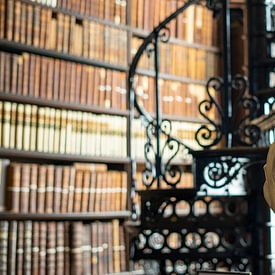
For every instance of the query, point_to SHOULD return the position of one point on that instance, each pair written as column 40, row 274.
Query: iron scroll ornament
column 156, row 168
column 244, row 132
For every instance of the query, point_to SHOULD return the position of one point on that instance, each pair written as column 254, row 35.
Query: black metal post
column 227, row 98
column 158, row 109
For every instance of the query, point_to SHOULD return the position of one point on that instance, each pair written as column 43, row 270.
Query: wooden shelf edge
column 10, row 216
column 171, row 77
column 79, row 15
column 15, row 154
column 173, row 40
column 17, row 47
column 61, row 105
column 180, row 163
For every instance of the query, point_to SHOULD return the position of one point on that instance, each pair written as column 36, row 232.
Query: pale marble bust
column 269, row 186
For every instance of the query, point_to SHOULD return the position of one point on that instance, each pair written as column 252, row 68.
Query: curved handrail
column 142, row 48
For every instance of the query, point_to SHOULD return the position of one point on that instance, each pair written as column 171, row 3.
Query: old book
column 43, row 248
column 52, row 117
column 33, row 188
column 29, row 27
column 35, row 248
column 6, row 124
column 36, row 26
column 46, row 130
column 4, row 233
column 67, row 250
column 57, row 130
column 60, row 31
column 49, row 189
column 40, row 129
column 60, row 248
column 85, row 190
column 13, row 125
column 33, row 128
column 12, row 242
column 2, row 18
column 116, row 253
column 78, row 189
column 27, row 127
column 9, row 19
column 86, row 250
column 95, row 247
column 57, row 188
column 76, row 248
column 56, row 79
column 72, row 183
column 65, row 189
column 20, row 248
column 41, row 188
column 27, row 247
column 24, row 188
column 51, row 248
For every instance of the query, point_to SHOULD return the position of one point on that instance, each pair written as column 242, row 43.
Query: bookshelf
column 86, row 54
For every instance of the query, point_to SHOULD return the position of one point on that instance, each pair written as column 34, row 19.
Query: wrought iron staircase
column 220, row 223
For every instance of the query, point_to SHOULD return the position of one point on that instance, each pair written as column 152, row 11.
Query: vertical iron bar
column 158, row 108
column 227, row 98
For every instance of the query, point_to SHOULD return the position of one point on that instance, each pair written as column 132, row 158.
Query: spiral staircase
column 223, row 222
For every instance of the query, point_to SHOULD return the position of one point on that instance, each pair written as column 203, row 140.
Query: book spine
column 27, row 247
column 4, row 237
column 12, row 242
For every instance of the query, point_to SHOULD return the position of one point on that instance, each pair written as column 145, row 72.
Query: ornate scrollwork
column 245, row 132
column 210, row 134
column 221, row 172
column 164, row 34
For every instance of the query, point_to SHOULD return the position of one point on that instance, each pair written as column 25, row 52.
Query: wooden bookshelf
column 16, row 47
column 29, row 156
column 83, row 216
column 61, row 104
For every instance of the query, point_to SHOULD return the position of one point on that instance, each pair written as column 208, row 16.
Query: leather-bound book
column 72, row 186
column 12, row 242
column 9, row 19
column 24, row 188
column 13, row 187
column 41, row 188
column 76, row 248
column 60, row 246
column 20, row 248
column 49, row 189
column 36, row 25
column 65, row 188
column 4, row 233
column 116, row 253
column 57, row 188
column 29, row 21
column 86, row 250
column 35, row 249
column 85, row 190
column 2, row 18
column 67, row 251
column 42, row 248
column 78, row 189
column 27, row 247
column 51, row 248
column 27, row 127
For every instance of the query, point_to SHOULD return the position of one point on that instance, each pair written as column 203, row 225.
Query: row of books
column 180, row 60
column 61, row 248
column 196, row 24
column 184, row 131
column 114, row 10
column 43, row 129
column 59, row 189
column 54, row 79
column 44, row 28
column 177, row 98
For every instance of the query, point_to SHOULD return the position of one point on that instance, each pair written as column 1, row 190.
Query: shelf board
column 171, row 77
column 177, row 162
column 9, row 216
column 42, row 157
column 268, row 92
column 173, row 40
column 16, row 47
column 61, row 105
column 80, row 16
